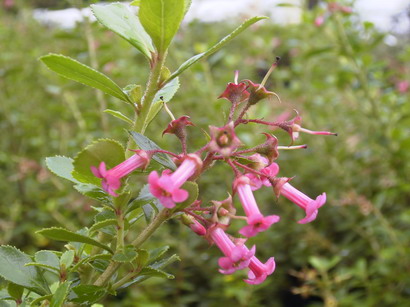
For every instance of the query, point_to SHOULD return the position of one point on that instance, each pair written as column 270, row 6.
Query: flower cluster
column 253, row 169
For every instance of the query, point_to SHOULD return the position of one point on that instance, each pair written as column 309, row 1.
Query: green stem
column 152, row 88
column 147, row 232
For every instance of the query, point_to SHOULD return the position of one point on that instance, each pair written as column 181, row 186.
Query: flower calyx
column 223, row 140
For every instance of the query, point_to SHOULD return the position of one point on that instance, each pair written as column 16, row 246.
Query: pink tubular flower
column 303, row 201
column 192, row 223
column 259, row 271
column 319, row 20
column 167, row 187
column 256, row 221
column 111, row 179
column 256, row 182
column 237, row 256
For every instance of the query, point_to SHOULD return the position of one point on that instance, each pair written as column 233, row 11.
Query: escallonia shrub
column 108, row 256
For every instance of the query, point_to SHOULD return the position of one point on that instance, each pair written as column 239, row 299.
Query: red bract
column 223, row 140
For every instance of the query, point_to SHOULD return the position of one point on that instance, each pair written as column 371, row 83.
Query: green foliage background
column 341, row 77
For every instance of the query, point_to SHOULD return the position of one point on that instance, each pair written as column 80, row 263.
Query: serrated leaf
column 90, row 259
column 47, row 258
column 167, row 92
column 118, row 115
column 161, row 19
column 165, row 262
column 93, row 192
column 44, row 266
column 86, row 294
column 119, row 19
column 157, row 253
column 62, row 167
column 67, row 259
column 143, row 198
column 76, row 71
column 146, row 144
column 149, row 212
column 16, row 291
column 40, row 299
column 61, row 234
column 102, row 224
column 127, row 255
column 151, row 272
column 143, row 257
column 216, row 47
column 13, row 269
column 103, row 150
column 60, row 294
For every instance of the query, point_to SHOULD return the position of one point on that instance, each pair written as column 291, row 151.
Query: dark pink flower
column 256, row 181
column 177, row 126
column 224, row 140
column 167, row 187
column 256, row 221
column 303, row 201
column 259, row 271
column 237, row 256
column 111, row 179
column 192, row 223
column 319, row 20
column 402, row 86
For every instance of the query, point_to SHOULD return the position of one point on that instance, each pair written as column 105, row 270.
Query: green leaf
column 146, row 144
column 93, row 192
column 143, row 198
column 216, row 47
column 90, row 259
column 62, row 167
column 187, row 6
column 143, row 257
column 104, row 150
column 13, row 269
column 102, row 224
column 60, row 295
column 76, row 71
column 67, row 259
column 48, row 258
column 161, row 19
column 165, row 262
column 40, row 299
column 167, row 92
column 86, row 294
column 119, row 115
column 135, row 3
column 127, row 255
column 16, row 291
column 119, row 19
column 157, row 253
column 61, row 234
column 44, row 266
column 151, row 272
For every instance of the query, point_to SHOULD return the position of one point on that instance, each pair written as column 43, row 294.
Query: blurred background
column 345, row 69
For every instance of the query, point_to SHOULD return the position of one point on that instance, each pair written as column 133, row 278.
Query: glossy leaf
column 118, row 115
column 102, row 224
column 67, row 259
column 13, row 268
column 118, row 18
column 76, row 71
column 127, row 255
column 161, row 19
column 48, row 258
column 86, row 294
column 216, row 47
column 146, row 144
column 93, row 192
column 104, row 150
column 62, row 167
column 61, row 234
column 60, row 295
